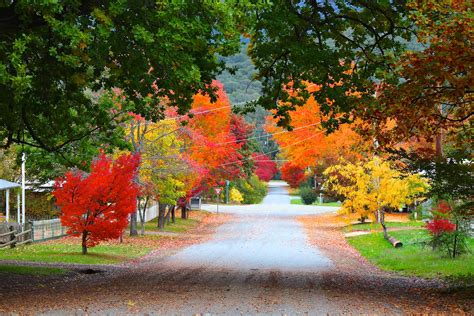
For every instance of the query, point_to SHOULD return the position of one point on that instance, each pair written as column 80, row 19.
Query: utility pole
column 227, row 184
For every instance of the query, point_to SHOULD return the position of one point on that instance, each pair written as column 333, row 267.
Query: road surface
column 260, row 262
column 264, row 236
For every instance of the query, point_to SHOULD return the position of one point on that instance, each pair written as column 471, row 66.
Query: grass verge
column 181, row 225
column 25, row 270
column 300, row 202
column 413, row 258
column 70, row 253
column 376, row 226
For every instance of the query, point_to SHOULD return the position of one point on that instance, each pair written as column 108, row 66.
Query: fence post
column 30, row 226
column 12, row 237
column 32, row 223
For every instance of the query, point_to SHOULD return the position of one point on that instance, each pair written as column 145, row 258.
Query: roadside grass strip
column 28, row 270
column 181, row 225
column 298, row 201
column 376, row 226
column 413, row 258
column 71, row 253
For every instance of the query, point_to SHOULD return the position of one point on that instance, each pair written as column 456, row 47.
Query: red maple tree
column 265, row 167
column 97, row 205
column 292, row 174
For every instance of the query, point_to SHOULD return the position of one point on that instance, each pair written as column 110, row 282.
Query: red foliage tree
column 439, row 226
column 96, row 206
column 440, row 223
column 266, row 168
column 292, row 174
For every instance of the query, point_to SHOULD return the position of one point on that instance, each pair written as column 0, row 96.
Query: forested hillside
column 241, row 87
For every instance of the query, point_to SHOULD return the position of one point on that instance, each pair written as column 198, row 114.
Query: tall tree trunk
column 173, row 214
column 184, row 210
column 382, row 222
column 133, row 224
column 168, row 214
column 161, row 216
column 142, row 216
column 84, row 242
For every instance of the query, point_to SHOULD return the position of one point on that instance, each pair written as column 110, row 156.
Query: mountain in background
column 241, row 87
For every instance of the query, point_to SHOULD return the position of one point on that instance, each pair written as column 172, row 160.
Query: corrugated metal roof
column 4, row 185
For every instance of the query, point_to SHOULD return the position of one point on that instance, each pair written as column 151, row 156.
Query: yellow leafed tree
column 162, row 170
column 373, row 186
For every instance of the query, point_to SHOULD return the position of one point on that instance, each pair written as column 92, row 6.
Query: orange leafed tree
column 307, row 145
column 209, row 141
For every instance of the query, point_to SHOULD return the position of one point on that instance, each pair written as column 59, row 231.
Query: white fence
column 151, row 213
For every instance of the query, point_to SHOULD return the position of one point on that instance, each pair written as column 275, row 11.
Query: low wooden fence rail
column 15, row 237
column 12, row 234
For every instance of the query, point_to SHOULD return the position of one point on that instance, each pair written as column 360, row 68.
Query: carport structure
column 7, row 186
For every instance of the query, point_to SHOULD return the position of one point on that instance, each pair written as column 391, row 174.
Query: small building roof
column 5, row 185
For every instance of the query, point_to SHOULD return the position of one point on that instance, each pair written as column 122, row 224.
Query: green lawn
column 65, row 253
column 412, row 258
column 375, row 226
column 181, row 225
column 300, row 202
column 31, row 270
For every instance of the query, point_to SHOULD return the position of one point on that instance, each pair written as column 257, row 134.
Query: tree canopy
column 58, row 60
column 319, row 42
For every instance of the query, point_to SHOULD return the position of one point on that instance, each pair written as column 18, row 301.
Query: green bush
column 308, row 195
column 252, row 189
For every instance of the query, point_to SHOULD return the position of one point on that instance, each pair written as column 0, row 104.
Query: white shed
column 7, row 186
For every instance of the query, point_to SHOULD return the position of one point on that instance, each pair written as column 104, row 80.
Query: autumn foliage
column 439, row 226
column 97, row 205
column 440, row 73
column 212, row 141
column 292, row 174
column 265, row 167
column 307, row 144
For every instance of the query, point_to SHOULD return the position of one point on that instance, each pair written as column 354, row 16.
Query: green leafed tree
column 58, row 58
column 341, row 45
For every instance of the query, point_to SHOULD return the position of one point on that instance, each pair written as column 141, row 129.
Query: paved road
column 258, row 263
column 264, row 236
column 276, row 203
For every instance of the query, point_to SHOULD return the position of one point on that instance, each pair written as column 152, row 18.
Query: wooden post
column 18, row 208
column 32, row 230
column 12, row 237
column 7, row 205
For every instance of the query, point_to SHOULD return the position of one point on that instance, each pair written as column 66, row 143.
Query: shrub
column 308, row 195
column 235, row 195
column 445, row 235
column 252, row 189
